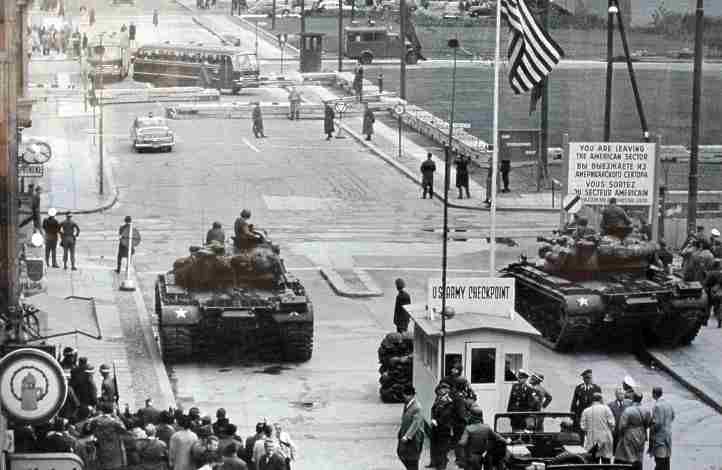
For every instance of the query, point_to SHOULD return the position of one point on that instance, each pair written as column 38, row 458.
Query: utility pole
column 340, row 35
column 544, row 124
column 100, row 110
column 402, row 38
column 273, row 15
column 696, row 96
column 611, row 10
column 303, row 16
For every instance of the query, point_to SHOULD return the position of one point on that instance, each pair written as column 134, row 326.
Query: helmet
column 245, row 213
column 52, row 212
column 104, row 368
column 68, row 351
column 477, row 411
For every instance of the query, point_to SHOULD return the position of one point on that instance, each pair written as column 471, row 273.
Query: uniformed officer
column 70, row 358
column 615, row 221
column 583, row 229
column 479, row 445
column 520, row 398
column 583, row 395
column 541, row 397
column 108, row 392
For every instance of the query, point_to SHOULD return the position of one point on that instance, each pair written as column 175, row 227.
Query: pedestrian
column 51, row 227
column 108, row 391
column 204, row 75
column 520, row 399
column 110, row 434
column 479, row 446
column 179, row 447
column 442, row 425
column 251, row 444
column 294, row 102
column 259, row 447
column 401, row 318
column 633, row 424
column 411, row 432
column 257, row 118
column 328, row 117
column 91, row 17
column 660, row 431
column 700, row 262
column 271, row 460
column 583, row 394
column 597, row 422
column 713, row 284
column 34, row 216
column 123, row 28
column 155, row 18
column 358, row 81
column 715, row 242
column 85, row 42
column 69, row 232
column 368, row 122
column 286, row 447
column 462, row 175
column 505, row 169
column 216, row 234
column 541, row 398
column 615, row 220
column 428, row 167
column 230, row 459
column 125, row 239
column 628, row 385
column 618, row 405
column 131, row 34
column 205, row 451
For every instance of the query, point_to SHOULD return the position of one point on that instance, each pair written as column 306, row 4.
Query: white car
column 151, row 133
column 330, row 5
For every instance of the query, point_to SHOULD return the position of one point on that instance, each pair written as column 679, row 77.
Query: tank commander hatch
column 615, row 221
column 245, row 235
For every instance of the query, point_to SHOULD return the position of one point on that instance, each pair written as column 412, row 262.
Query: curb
column 667, row 365
column 339, row 286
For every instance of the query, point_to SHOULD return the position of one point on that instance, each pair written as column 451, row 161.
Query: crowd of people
column 91, row 425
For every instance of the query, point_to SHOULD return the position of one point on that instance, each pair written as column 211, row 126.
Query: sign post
column 486, row 295
column 130, row 242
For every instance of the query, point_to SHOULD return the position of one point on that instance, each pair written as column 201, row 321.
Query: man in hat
column 401, row 318
column 597, row 422
column 582, row 397
column 108, row 392
column 628, row 385
column 251, row 444
column 85, row 389
column 257, row 118
column 271, row 460
column 618, row 405
column 244, row 235
column 411, row 431
column 520, row 398
column 70, row 358
column 123, row 244
column 51, row 227
column 541, row 397
column 428, row 167
column 479, row 446
column 69, row 232
column 442, row 424
column 615, row 220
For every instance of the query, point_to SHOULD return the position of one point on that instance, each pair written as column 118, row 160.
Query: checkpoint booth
column 485, row 334
column 311, row 50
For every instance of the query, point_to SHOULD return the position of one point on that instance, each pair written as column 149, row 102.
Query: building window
column 483, row 361
column 512, row 363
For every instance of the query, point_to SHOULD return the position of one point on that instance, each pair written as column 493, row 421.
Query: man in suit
column 271, row 460
column 583, row 395
column 411, row 432
column 618, row 405
column 660, row 432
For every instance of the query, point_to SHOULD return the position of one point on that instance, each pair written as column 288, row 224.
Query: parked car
column 265, row 7
column 329, row 5
column 487, row 8
column 149, row 132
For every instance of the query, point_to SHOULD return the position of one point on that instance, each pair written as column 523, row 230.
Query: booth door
column 490, row 369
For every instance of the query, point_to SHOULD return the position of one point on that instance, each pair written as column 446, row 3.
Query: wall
column 425, row 378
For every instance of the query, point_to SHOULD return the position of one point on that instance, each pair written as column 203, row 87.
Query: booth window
column 512, row 363
column 483, row 361
column 429, row 354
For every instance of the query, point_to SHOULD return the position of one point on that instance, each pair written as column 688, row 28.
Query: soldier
column 715, row 243
column 427, row 176
column 244, row 234
column 505, row 169
column 479, row 445
column 583, row 230
column 401, row 318
column 541, row 397
column 358, row 81
column 583, row 394
column 459, row 384
column 368, row 122
column 442, row 423
column 294, row 100
column 51, row 227
column 70, row 358
column 257, row 118
column 108, row 392
column 520, row 399
column 713, row 284
column 615, row 221
column 85, row 388
column 663, row 257
column 216, row 234
column 328, row 117
column 69, row 232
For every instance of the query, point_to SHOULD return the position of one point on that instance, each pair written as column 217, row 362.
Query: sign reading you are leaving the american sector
column 599, row 171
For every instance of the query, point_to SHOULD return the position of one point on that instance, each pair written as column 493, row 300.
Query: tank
column 605, row 292
column 222, row 302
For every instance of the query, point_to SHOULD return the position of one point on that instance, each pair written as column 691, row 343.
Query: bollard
column 380, row 81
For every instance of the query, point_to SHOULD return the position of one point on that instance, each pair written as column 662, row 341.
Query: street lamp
column 100, row 50
column 399, row 109
column 453, row 43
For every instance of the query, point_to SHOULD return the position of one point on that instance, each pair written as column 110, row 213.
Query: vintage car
column 545, row 440
column 151, row 133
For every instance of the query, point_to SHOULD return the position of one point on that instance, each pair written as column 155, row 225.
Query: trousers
column 51, row 248
column 428, row 186
column 662, row 463
column 69, row 249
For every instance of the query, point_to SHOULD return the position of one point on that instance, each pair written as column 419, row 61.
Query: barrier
column 242, row 110
column 144, row 95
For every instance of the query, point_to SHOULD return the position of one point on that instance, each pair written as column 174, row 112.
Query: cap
column 586, row 372
column 714, row 232
column 245, row 213
column 89, row 368
column 629, row 381
column 597, row 396
column 522, row 373
column 52, row 212
column 537, row 376
column 69, row 351
column 128, row 219
column 104, row 368
column 477, row 410
column 68, row 214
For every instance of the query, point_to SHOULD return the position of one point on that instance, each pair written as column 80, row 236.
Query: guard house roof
column 366, row 29
column 469, row 322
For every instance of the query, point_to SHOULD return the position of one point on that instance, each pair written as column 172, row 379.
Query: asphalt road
column 333, row 204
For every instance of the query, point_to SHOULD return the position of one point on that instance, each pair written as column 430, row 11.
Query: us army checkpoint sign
column 487, row 295
column 602, row 170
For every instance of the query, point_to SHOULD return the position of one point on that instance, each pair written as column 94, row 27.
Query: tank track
column 676, row 329
column 177, row 342
column 296, row 341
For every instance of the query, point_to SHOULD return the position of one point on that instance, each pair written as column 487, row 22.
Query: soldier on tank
column 245, row 236
column 216, row 234
column 108, row 392
column 583, row 230
column 615, row 221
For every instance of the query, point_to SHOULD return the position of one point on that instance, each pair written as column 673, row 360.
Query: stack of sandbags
column 205, row 269
column 396, row 358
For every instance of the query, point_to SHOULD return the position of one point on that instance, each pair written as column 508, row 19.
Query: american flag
column 532, row 52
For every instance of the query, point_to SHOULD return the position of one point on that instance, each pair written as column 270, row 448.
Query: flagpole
column 495, row 140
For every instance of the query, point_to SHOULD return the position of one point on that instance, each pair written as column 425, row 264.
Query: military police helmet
column 104, row 368
column 245, row 213
column 477, row 411
column 68, row 351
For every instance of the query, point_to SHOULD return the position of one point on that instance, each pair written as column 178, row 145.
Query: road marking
column 253, row 147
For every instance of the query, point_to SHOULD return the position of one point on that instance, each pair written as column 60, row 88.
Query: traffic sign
column 399, row 109
column 572, row 203
column 31, row 170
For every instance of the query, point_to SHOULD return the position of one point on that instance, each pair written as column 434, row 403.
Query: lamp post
column 399, row 109
column 100, row 50
column 696, row 96
column 454, row 45
column 340, row 35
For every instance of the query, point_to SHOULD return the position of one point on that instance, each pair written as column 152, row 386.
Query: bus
column 113, row 64
column 230, row 68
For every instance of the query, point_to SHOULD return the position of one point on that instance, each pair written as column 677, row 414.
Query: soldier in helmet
column 108, row 392
column 70, row 358
column 245, row 236
column 479, row 446
column 583, row 230
column 401, row 318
